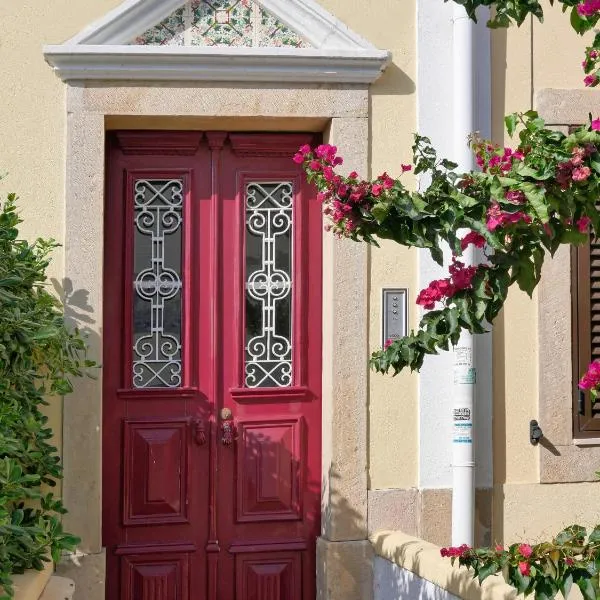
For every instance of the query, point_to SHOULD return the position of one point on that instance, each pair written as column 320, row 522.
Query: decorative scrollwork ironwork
column 158, row 206
column 269, row 284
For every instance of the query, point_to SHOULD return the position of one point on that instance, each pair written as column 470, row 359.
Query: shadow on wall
column 78, row 313
column 393, row 82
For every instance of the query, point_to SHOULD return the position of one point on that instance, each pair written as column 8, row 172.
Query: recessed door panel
column 155, row 472
column 269, row 576
column 270, row 466
column 157, row 576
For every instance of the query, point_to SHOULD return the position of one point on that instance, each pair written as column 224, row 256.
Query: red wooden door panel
column 212, row 368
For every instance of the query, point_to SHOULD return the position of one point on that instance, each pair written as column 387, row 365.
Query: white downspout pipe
column 463, row 464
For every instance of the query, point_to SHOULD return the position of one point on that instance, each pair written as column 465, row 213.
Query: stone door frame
column 341, row 113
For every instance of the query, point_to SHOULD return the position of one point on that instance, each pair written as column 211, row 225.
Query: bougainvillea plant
column 522, row 203
column 544, row 569
column 584, row 16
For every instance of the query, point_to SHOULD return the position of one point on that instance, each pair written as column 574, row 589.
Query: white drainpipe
column 463, row 464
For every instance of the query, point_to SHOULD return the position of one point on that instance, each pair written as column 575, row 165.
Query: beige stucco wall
column 524, row 60
column 32, row 121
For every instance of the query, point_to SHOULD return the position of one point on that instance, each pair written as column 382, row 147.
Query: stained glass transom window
column 221, row 23
column 269, row 244
column 158, row 219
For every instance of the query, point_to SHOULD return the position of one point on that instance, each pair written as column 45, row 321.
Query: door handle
column 227, row 427
column 199, row 431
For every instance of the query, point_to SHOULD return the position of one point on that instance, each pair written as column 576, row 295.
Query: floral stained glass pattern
column 241, row 23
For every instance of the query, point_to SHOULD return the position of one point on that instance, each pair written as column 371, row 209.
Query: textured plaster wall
column 515, row 334
column 393, row 414
column 32, row 121
column 525, row 61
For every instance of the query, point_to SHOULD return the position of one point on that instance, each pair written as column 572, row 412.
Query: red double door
column 211, row 369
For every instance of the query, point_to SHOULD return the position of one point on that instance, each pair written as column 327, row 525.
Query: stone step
column 58, row 588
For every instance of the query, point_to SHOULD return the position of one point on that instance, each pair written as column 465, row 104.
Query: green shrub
column 38, row 355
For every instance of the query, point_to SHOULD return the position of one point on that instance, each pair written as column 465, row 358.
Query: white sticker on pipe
column 465, row 375
column 464, row 371
column 462, row 431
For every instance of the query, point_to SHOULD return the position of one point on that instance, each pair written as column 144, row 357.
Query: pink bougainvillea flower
column 496, row 217
column 461, row 275
column 434, row 292
column 516, row 196
column 583, row 223
column 588, row 8
column 304, row 149
column 581, row 173
column 525, row 550
column 328, row 173
column 499, row 548
column 387, row 344
column 525, row 568
column 406, row 168
column 596, row 125
column 577, row 155
column 590, row 80
column 592, row 377
column 569, row 561
column 298, row 158
column 494, row 161
column 376, row 190
column 353, row 175
column 454, row 551
column 472, row 238
column 315, row 165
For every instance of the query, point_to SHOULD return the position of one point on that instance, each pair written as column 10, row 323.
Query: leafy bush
column 38, row 355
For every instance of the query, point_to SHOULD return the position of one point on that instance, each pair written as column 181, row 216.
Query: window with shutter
column 586, row 333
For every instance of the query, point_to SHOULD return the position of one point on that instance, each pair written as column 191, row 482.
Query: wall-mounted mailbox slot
column 394, row 311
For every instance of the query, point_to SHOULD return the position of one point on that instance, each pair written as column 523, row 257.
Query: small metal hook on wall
column 535, row 432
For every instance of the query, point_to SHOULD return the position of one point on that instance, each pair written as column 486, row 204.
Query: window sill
column 595, row 441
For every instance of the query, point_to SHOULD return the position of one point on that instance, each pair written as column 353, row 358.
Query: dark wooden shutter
column 586, row 333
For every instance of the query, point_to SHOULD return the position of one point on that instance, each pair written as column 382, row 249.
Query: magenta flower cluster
column 455, row 551
column 588, row 8
column 591, row 379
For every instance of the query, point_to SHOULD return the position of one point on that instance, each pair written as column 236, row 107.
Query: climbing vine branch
column 523, row 203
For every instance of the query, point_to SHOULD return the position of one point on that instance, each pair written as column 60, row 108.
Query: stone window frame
column 563, row 458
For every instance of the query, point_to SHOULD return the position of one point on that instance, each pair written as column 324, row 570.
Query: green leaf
column 537, row 198
column 489, row 569
column 510, row 121
column 565, row 584
column 521, row 582
column 594, row 536
column 586, row 587
column 380, row 211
